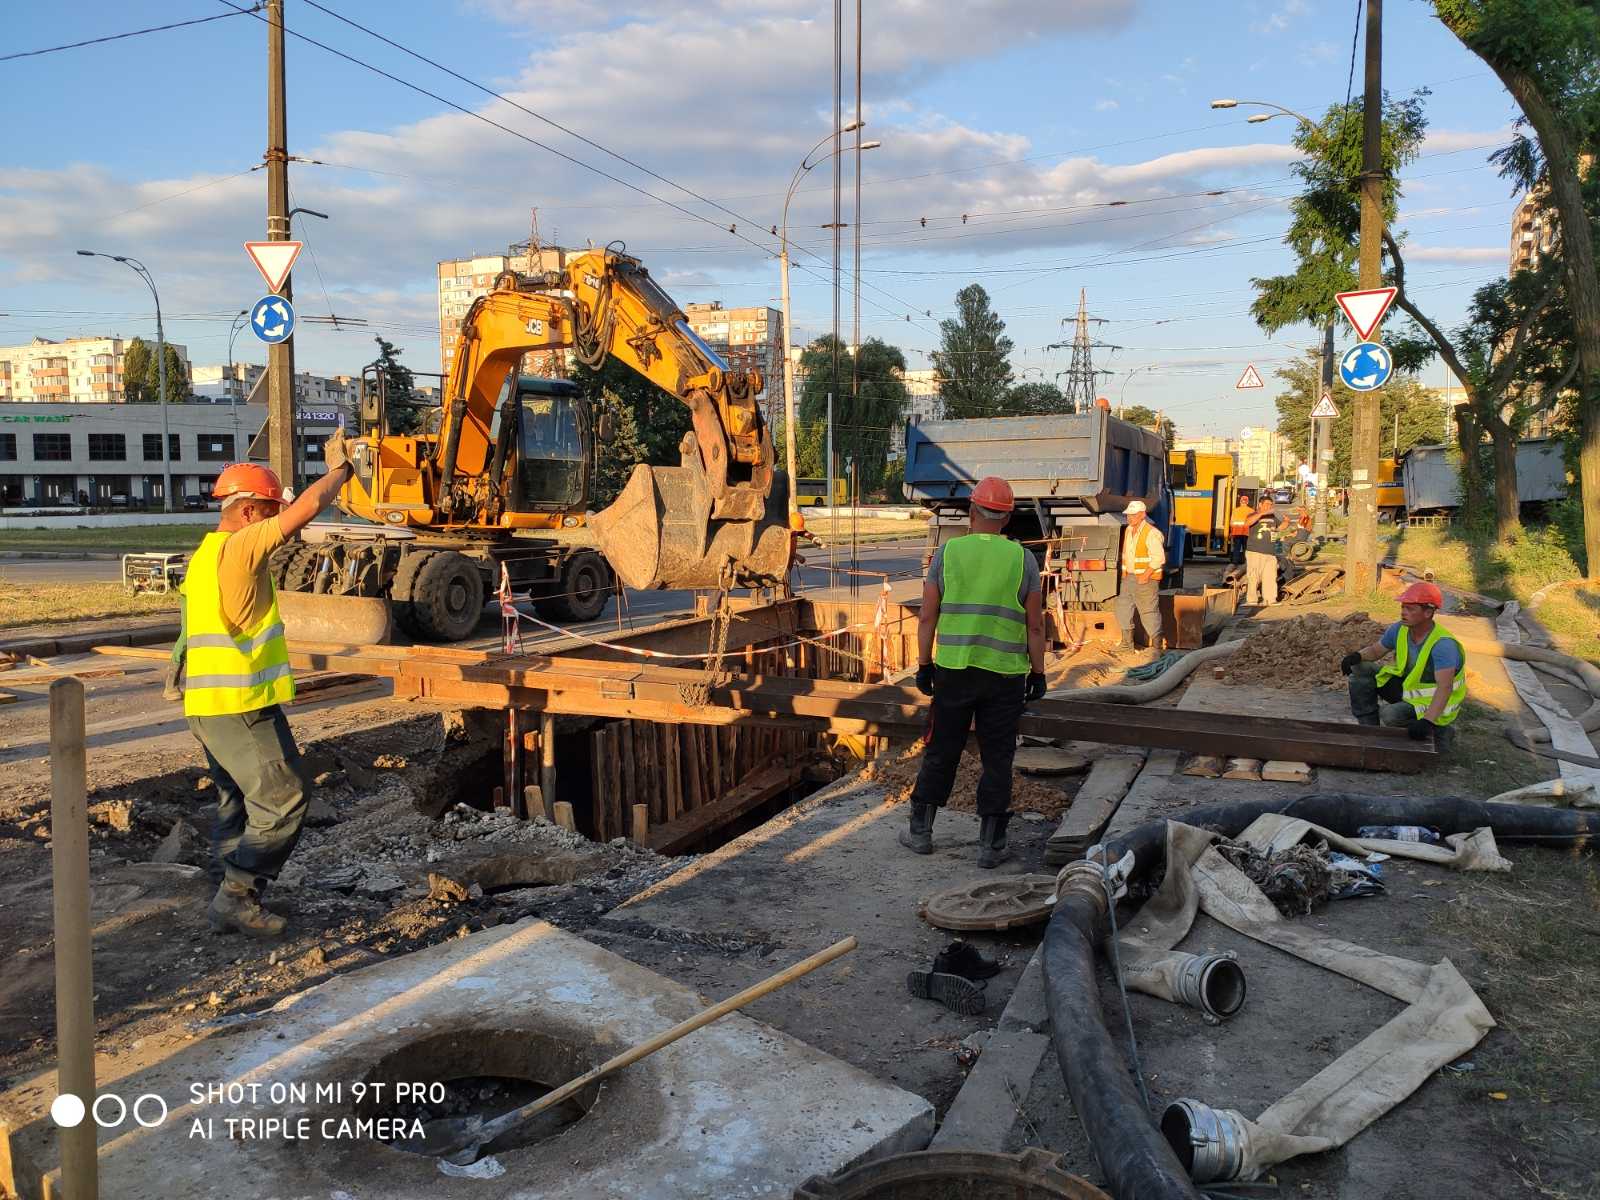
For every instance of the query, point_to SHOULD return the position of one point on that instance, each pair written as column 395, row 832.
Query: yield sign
column 1366, row 309
column 1251, row 378
column 1325, row 407
column 273, row 260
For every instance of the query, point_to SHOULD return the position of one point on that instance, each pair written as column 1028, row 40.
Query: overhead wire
column 117, row 37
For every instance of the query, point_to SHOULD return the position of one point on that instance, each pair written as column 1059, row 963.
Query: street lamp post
column 1122, row 395
column 239, row 319
column 161, row 366
column 788, row 323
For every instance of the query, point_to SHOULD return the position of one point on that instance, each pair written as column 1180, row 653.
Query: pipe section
column 1211, row 1143
column 1212, row 983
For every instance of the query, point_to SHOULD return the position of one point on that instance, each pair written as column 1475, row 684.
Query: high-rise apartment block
column 81, row 370
column 748, row 339
column 463, row 280
column 1533, row 233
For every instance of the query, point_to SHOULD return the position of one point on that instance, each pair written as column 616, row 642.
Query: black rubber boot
column 992, row 840
column 955, row 993
column 918, row 835
column 237, row 909
column 965, row 960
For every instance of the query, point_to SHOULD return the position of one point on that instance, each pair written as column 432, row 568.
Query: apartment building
column 463, row 280
column 1533, row 233
column 81, row 370
column 748, row 339
column 237, row 381
column 922, row 404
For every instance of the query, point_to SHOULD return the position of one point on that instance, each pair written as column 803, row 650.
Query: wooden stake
column 641, row 824
column 69, row 854
column 563, row 812
column 547, row 757
column 597, row 783
column 533, row 802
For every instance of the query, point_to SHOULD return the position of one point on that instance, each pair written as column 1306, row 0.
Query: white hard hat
column 1136, row 507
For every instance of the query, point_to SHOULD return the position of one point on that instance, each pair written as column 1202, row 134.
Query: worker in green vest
column 1421, row 690
column 980, row 642
column 237, row 679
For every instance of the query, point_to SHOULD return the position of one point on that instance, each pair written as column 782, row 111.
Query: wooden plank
column 714, row 762
column 533, row 802
column 616, row 801
column 674, row 789
column 564, row 817
column 683, row 833
column 1093, row 807
column 597, row 788
column 622, row 733
column 547, row 758
column 641, row 824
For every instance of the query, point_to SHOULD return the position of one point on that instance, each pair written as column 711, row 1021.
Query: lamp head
column 870, row 145
column 87, row 253
column 1258, row 118
column 1224, row 104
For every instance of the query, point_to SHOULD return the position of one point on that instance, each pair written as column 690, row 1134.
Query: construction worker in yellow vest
column 1142, row 562
column 1421, row 690
column 980, row 643
column 237, row 678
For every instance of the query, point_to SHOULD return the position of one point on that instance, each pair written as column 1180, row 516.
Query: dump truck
column 1072, row 475
column 1432, row 479
column 1205, row 488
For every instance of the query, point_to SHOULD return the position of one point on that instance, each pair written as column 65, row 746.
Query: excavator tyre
column 659, row 533
column 581, row 592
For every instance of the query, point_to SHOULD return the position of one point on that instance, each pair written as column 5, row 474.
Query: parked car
column 1283, row 496
column 193, row 502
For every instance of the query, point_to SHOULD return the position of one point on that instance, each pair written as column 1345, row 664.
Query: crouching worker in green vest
column 980, row 639
column 1422, row 689
column 237, row 679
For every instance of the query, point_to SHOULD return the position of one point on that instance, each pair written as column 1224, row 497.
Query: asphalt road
column 60, row 570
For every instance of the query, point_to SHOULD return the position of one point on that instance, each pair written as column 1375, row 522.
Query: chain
column 698, row 693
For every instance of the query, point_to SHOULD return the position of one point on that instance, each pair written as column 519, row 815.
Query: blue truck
column 1072, row 473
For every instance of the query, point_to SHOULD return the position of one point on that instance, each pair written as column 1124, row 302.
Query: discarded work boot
column 964, row 959
column 172, row 686
column 955, row 993
column 918, row 835
column 237, row 909
column 992, row 840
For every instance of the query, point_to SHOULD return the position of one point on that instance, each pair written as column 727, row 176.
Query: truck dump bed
column 1090, row 459
column 1432, row 480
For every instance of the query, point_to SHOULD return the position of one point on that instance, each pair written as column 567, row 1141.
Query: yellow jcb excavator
column 503, row 479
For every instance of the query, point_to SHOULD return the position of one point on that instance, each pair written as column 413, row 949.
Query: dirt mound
column 897, row 774
column 1301, row 654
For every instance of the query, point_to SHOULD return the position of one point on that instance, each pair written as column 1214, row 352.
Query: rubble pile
column 897, row 774
column 1300, row 654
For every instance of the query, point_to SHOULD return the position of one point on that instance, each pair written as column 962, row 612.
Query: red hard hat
column 248, row 480
column 994, row 494
column 1423, row 593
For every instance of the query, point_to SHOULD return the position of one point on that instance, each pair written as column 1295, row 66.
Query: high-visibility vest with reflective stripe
column 1239, row 523
column 981, row 621
column 1417, row 693
column 229, row 671
column 1138, row 557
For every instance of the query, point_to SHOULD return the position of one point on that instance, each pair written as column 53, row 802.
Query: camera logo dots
column 109, row 1110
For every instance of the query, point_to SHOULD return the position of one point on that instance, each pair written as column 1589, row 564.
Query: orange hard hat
column 248, row 480
column 1423, row 593
column 994, row 494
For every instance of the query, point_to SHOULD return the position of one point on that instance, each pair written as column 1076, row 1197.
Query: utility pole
column 1361, row 554
column 1319, row 470
column 280, row 357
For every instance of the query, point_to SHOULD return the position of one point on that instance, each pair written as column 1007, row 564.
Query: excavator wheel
column 586, row 584
column 447, row 596
column 300, row 571
column 278, row 563
column 401, row 588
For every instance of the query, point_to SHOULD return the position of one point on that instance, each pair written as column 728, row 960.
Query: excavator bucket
column 659, row 533
column 346, row 620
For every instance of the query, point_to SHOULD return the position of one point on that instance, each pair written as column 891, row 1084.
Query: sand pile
column 897, row 773
column 1301, row 654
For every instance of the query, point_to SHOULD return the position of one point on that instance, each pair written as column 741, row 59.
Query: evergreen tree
column 1035, row 399
column 1142, row 415
column 404, row 410
column 616, row 458
column 659, row 417
column 973, row 362
column 141, row 377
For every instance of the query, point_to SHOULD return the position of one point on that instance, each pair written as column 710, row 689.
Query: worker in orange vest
column 1239, row 527
column 1143, row 561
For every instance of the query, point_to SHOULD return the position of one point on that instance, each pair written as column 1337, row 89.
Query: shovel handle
column 566, row 1091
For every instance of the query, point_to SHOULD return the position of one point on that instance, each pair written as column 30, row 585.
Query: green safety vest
column 229, row 670
column 1417, row 693
column 981, row 621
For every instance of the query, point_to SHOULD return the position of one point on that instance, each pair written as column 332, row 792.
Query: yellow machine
column 501, row 482
column 1203, row 494
column 1391, row 497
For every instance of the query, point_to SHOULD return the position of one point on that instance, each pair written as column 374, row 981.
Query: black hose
column 1135, row 1157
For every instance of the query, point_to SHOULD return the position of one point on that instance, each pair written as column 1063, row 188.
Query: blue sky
column 1028, row 116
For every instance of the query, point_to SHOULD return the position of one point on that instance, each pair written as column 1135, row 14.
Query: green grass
column 1483, row 763
column 123, row 538
column 48, row 603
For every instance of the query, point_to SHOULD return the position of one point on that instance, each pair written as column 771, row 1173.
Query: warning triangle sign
column 1325, row 407
column 1365, row 309
column 274, row 260
column 1251, row 378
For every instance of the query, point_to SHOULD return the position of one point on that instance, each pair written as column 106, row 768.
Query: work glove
column 1036, row 687
column 1349, row 662
column 336, row 450
column 1419, row 729
column 925, row 679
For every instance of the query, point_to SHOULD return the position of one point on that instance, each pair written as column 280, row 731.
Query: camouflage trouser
column 1374, row 705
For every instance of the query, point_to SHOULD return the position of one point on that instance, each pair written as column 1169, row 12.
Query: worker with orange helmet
column 980, row 643
column 237, row 679
column 1422, row 688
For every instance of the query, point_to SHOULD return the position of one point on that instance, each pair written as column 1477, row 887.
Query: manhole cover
column 993, row 903
column 1047, row 760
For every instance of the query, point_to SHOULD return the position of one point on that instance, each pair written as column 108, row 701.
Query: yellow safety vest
column 1137, row 556
column 229, row 671
column 1415, row 692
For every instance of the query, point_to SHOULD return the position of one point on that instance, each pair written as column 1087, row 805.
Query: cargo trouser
column 1146, row 597
column 1374, row 705
column 261, row 792
column 961, row 699
column 1261, row 577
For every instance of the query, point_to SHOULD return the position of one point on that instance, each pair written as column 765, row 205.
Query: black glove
column 1349, row 662
column 1036, row 687
column 1419, row 729
column 925, row 679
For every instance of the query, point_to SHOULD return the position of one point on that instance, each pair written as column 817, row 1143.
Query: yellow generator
column 1203, row 493
column 1391, row 498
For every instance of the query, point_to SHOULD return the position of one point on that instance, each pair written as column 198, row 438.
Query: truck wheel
column 300, row 572
column 586, row 585
column 278, row 563
column 447, row 597
column 401, row 588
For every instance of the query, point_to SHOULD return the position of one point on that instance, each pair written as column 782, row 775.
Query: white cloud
column 1280, row 19
column 1107, row 105
column 1461, row 254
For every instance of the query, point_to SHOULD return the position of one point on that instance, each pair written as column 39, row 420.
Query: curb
column 71, row 555
column 83, row 643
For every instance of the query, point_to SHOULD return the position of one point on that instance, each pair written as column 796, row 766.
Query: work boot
column 1122, row 648
column 237, row 909
column 964, row 959
column 992, row 840
column 171, row 688
column 918, row 835
column 955, row 993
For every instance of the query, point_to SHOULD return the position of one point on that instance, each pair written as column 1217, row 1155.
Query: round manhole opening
column 432, row 1086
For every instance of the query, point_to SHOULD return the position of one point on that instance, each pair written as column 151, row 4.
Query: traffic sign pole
column 280, row 356
column 1361, row 553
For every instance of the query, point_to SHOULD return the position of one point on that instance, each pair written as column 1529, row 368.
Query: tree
column 659, row 417
column 1409, row 415
column 973, row 363
column 1139, row 414
column 615, row 459
column 141, row 377
column 870, row 407
column 1544, row 52
column 1035, row 399
column 404, row 410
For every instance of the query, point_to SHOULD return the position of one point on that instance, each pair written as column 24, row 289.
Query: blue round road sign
column 1366, row 367
column 272, row 319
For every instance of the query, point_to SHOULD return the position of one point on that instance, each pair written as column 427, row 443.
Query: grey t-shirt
column 1030, row 574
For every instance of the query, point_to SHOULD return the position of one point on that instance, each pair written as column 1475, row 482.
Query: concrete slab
column 735, row 1109
column 991, row 1099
